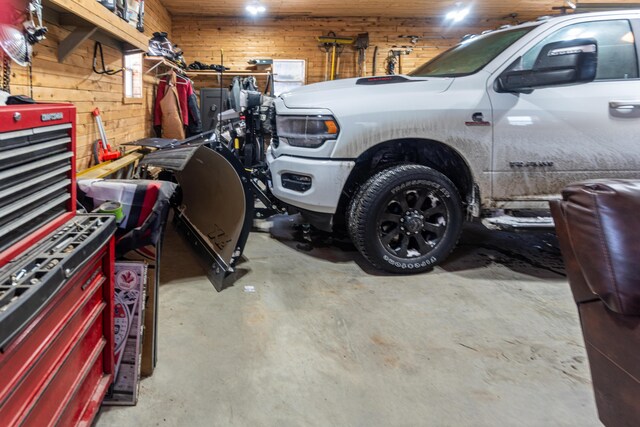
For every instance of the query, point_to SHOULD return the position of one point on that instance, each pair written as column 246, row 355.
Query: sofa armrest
column 603, row 227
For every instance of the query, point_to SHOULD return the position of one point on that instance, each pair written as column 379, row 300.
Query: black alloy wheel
column 406, row 219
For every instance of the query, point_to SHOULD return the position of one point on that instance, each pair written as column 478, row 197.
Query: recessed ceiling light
column 458, row 14
column 255, row 9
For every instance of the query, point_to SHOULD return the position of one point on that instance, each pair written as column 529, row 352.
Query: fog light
column 295, row 182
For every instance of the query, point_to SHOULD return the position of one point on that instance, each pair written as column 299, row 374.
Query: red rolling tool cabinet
column 56, row 276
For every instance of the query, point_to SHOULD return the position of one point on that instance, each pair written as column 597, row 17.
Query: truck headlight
column 306, row 131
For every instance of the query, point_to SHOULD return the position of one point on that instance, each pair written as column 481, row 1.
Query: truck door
column 553, row 136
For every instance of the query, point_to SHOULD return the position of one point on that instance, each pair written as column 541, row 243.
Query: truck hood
column 334, row 93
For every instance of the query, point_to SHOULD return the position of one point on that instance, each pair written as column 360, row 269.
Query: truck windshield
column 470, row 56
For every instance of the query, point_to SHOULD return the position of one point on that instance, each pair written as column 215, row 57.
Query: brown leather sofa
column 598, row 227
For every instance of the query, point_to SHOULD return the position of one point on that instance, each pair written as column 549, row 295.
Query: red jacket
column 184, row 91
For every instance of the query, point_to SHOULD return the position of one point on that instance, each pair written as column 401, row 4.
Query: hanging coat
column 185, row 89
column 195, row 121
column 172, row 123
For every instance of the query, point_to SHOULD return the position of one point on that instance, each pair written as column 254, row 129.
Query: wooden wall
column 74, row 81
column 201, row 38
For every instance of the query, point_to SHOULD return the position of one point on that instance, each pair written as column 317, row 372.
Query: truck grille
column 35, row 179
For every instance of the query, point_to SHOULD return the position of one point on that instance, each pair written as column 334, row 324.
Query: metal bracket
column 73, row 40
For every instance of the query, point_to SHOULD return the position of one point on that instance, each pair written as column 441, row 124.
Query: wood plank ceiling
column 480, row 9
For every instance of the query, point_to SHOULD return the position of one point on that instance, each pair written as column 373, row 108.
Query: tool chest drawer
column 56, row 326
column 37, row 173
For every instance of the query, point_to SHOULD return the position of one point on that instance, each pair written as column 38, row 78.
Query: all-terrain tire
column 354, row 205
column 406, row 219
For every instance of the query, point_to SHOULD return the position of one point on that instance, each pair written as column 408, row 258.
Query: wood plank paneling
column 74, row 81
column 296, row 38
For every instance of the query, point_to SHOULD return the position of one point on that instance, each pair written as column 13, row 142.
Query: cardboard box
column 130, row 281
column 149, row 342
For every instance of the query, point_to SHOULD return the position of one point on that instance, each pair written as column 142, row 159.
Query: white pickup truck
column 499, row 123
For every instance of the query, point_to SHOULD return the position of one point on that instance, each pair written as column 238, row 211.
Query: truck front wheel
column 406, row 219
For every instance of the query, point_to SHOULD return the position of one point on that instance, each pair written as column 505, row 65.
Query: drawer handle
column 91, row 279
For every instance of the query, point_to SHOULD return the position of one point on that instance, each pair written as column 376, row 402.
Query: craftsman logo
column 51, row 116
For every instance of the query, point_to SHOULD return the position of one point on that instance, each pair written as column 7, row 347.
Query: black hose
column 97, row 46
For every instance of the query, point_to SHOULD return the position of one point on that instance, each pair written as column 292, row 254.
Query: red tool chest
column 56, row 276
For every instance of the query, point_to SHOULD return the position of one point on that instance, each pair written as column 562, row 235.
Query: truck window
column 617, row 58
column 470, row 56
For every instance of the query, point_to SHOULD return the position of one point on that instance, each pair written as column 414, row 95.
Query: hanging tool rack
column 333, row 45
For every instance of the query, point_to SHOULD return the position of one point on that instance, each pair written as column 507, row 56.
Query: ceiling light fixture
column 255, row 9
column 458, row 14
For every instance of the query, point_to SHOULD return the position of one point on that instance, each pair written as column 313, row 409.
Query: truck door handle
column 624, row 105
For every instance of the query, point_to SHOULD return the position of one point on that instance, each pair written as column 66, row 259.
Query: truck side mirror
column 559, row 63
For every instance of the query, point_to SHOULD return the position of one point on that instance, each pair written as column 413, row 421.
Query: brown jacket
column 172, row 126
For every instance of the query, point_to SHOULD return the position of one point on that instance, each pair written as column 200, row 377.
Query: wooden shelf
column 226, row 73
column 92, row 20
column 160, row 61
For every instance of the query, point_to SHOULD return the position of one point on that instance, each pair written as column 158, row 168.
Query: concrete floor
column 490, row 338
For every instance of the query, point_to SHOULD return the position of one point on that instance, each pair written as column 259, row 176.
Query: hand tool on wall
column 327, row 50
column 375, row 61
column 361, row 45
column 334, row 46
column 391, row 63
column 102, row 151
column 414, row 39
column 394, row 58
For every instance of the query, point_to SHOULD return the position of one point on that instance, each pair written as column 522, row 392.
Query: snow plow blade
column 215, row 212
